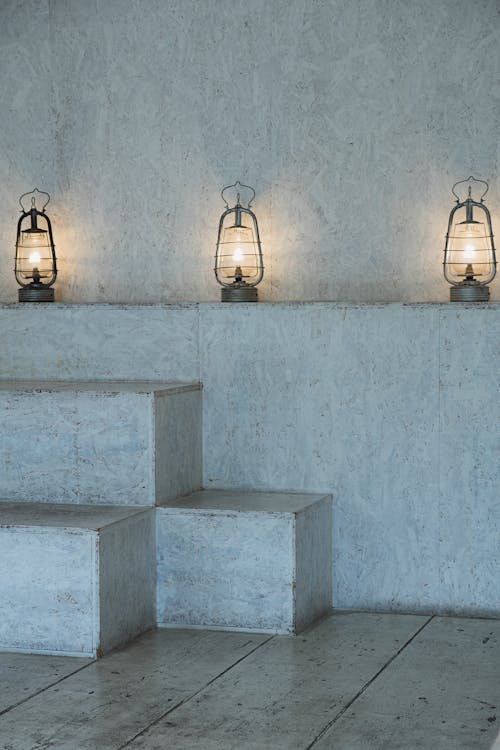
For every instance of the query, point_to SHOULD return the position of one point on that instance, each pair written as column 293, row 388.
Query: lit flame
column 469, row 253
column 35, row 258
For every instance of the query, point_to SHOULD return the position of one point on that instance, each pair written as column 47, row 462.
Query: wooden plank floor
column 22, row 676
column 353, row 681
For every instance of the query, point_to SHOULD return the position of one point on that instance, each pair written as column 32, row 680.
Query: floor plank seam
column 193, row 695
column 365, row 687
column 45, row 688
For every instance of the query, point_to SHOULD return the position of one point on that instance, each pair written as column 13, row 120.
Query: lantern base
column 34, row 294
column 239, row 294
column 469, row 293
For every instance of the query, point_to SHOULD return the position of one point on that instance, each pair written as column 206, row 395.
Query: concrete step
column 75, row 580
column 120, row 442
column 244, row 560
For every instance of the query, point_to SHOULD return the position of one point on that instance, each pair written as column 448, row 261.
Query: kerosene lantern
column 238, row 257
column 469, row 253
column 35, row 268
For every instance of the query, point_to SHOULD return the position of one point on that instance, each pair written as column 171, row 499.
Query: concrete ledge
column 74, row 580
column 244, row 560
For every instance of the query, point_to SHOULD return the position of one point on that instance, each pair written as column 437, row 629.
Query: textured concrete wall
column 391, row 408
column 27, row 123
column 352, row 120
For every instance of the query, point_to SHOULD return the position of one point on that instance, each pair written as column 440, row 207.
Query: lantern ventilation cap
column 33, row 199
column 468, row 181
column 237, row 185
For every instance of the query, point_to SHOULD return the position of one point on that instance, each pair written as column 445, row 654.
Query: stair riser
column 111, row 448
column 243, row 570
column 76, row 591
column 49, row 594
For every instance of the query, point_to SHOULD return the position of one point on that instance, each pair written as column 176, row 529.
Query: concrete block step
column 75, row 580
column 244, row 560
column 120, row 442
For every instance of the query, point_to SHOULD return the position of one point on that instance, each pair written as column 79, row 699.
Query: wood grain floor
column 350, row 682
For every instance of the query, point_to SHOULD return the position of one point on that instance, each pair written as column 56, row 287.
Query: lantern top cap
column 237, row 186
column 33, row 199
column 469, row 180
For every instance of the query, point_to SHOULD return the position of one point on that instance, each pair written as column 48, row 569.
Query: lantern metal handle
column 238, row 185
column 474, row 179
column 32, row 192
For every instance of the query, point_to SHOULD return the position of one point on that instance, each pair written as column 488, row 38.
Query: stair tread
column 69, row 516
column 99, row 386
column 237, row 500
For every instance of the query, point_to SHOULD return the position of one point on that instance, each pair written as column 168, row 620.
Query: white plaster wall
column 352, row 120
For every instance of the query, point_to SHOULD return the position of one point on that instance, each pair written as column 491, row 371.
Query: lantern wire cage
column 469, row 255
column 35, row 263
column 238, row 257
